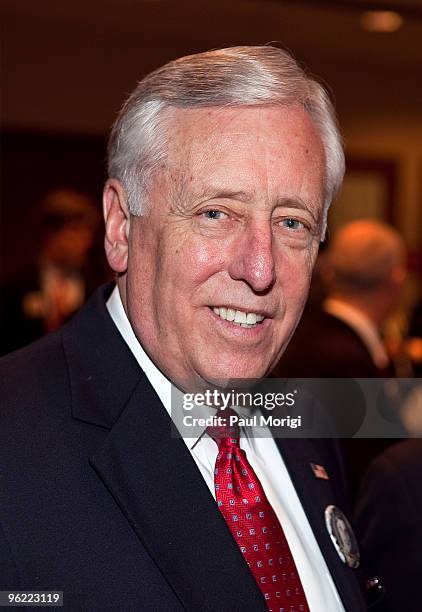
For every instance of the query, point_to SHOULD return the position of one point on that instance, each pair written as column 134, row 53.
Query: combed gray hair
column 234, row 76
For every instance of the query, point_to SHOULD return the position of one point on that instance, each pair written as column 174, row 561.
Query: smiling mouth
column 239, row 318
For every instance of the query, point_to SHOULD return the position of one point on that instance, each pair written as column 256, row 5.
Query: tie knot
column 226, row 429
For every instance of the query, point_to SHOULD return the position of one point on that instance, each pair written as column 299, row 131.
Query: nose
column 253, row 259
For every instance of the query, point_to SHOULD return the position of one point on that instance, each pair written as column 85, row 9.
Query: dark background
column 67, row 68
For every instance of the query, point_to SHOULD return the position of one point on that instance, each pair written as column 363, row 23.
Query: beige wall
column 400, row 139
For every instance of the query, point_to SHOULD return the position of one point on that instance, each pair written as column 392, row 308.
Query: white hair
column 234, row 76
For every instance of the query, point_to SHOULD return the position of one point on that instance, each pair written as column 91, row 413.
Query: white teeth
column 230, row 314
column 239, row 317
column 251, row 318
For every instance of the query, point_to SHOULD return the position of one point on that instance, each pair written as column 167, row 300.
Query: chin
column 233, row 377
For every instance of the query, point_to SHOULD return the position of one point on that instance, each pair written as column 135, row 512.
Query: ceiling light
column 381, row 21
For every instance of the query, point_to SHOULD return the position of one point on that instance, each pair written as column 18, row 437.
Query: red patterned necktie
column 253, row 522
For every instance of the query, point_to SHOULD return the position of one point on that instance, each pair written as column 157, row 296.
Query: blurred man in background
column 56, row 284
column 389, row 522
column 364, row 271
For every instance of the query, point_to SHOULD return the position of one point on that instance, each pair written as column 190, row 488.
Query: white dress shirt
column 264, row 457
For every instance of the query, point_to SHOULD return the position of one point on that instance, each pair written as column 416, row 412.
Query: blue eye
column 213, row 214
column 292, row 223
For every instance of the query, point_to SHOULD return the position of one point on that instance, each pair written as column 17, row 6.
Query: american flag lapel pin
column 319, row 471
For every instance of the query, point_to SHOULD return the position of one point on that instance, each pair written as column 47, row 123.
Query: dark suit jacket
column 323, row 346
column 389, row 520
column 97, row 498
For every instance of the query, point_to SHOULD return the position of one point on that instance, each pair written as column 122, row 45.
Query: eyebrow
column 299, row 204
column 211, row 193
column 221, row 193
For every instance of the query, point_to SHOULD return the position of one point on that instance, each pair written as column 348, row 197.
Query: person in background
column 364, row 271
column 47, row 293
column 389, row 523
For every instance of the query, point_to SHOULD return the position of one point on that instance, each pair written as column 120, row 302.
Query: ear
column 117, row 223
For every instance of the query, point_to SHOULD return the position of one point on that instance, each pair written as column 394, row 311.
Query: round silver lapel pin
column 342, row 536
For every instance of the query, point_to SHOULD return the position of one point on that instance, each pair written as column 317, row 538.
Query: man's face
column 233, row 230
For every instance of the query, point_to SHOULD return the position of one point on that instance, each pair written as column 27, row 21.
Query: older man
column 221, row 169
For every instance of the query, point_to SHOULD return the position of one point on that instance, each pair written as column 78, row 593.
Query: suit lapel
column 156, row 483
column 315, row 494
column 151, row 475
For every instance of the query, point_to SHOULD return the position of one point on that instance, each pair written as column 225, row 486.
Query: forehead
column 273, row 126
column 245, row 144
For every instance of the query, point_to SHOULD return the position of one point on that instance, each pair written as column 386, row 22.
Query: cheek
column 294, row 277
column 193, row 262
